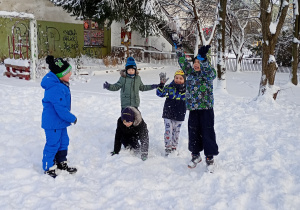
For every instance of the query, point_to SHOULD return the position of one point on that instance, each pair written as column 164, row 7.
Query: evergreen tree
column 142, row 16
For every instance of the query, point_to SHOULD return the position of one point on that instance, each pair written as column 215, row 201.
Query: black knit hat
column 58, row 66
column 128, row 115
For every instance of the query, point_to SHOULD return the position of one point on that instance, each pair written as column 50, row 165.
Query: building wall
column 42, row 9
column 158, row 42
column 58, row 39
column 7, row 27
column 58, row 33
column 116, row 33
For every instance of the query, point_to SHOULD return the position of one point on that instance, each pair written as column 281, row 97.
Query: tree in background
column 195, row 17
column 238, row 16
column 221, row 67
column 283, row 50
column 270, row 32
column 296, row 42
column 141, row 16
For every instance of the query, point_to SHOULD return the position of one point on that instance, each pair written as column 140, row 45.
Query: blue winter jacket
column 175, row 107
column 56, row 102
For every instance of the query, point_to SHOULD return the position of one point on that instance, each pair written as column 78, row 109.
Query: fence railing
column 169, row 58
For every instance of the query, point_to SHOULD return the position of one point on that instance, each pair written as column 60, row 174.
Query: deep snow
column 258, row 164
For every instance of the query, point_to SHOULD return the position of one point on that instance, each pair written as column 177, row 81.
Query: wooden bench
column 23, row 72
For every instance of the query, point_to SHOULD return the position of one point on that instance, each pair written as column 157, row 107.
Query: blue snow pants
column 202, row 133
column 56, row 147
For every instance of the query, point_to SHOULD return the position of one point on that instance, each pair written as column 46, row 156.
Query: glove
column 203, row 52
column 114, row 153
column 144, row 157
column 105, row 85
column 75, row 121
column 154, row 86
column 177, row 41
column 162, row 77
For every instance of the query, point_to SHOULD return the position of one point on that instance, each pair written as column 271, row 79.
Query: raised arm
column 183, row 63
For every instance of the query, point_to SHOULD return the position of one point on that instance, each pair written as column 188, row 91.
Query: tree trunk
column 238, row 63
column 295, row 51
column 221, row 45
column 269, row 68
column 269, row 65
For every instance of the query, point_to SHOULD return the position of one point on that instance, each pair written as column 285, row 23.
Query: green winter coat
column 130, row 88
column 199, row 84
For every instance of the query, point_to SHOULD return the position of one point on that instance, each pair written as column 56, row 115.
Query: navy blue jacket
column 56, row 102
column 175, row 105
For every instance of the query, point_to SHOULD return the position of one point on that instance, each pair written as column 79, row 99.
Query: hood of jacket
column 49, row 81
column 123, row 73
column 137, row 116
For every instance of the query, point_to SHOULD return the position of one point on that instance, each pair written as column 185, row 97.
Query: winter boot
column 52, row 171
column 168, row 151
column 210, row 165
column 195, row 160
column 64, row 166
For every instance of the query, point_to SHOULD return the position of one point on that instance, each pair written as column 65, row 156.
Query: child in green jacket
column 130, row 84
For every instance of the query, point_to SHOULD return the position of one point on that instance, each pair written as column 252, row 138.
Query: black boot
column 51, row 172
column 64, row 166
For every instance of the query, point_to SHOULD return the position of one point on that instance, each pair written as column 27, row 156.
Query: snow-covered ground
column 258, row 164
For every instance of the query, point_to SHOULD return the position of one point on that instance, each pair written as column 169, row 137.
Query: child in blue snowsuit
column 174, row 110
column 56, row 116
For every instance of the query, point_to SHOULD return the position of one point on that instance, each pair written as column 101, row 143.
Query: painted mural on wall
column 57, row 39
column 63, row 39
column 14, row 36
column 18, row 41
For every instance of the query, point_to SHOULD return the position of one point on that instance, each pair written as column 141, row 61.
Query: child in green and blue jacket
column 200, row 101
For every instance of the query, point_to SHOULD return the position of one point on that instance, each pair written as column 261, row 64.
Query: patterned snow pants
column 172, row 130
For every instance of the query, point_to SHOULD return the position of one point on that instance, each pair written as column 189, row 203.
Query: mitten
column 162, row 77
column 144, row 157
column 106, row 85
column 114, row 153
column 203, row 52
column 75, row 121
column 177, row 40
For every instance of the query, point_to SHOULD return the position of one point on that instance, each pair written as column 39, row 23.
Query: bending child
column 174, row 109
column 131, row 129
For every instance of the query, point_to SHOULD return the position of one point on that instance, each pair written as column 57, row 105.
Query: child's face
column 66, row 78
column 127, row 124
column 197, row 65
column 178, row 79
column 130, row 71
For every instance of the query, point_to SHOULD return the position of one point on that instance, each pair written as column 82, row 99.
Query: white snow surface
column 16, row 14
column 258, row 166
column 17, row 62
